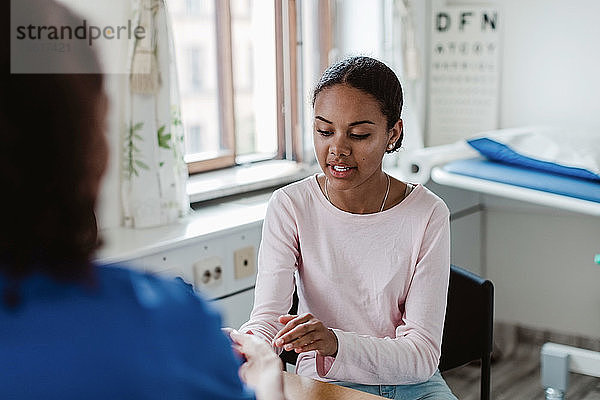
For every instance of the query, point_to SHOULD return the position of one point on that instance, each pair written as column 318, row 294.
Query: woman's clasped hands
column 303, row 333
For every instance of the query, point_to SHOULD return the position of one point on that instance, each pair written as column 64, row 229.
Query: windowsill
column 245, row 178
column 125, row 244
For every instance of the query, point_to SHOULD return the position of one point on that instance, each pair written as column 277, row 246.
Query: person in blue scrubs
column 71, row 329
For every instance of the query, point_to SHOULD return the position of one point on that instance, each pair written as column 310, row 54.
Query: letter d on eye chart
column 464, row 74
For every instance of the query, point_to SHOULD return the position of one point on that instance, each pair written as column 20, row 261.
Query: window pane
column 254, row 79
column 193, row 23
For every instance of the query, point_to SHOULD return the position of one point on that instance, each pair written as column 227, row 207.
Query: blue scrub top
column 131, row 336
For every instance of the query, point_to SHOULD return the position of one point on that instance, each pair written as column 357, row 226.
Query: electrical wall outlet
column 208, row 272
column 244, row 262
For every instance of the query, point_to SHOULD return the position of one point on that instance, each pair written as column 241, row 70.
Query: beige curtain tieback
column 145, row 77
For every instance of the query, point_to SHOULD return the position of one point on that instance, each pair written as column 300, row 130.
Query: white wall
column 359, row 28
column 550, row 63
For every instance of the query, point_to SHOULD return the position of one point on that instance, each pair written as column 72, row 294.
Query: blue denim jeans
column 434, row 388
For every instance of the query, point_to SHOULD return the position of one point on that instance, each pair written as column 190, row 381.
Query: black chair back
column 468, row 327
column 290, row 357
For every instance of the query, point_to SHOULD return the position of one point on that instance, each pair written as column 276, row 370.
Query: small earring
column 390, row 146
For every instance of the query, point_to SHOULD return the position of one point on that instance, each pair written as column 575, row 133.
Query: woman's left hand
column 305, row 333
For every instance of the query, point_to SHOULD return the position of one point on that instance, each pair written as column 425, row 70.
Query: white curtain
column 153, row 188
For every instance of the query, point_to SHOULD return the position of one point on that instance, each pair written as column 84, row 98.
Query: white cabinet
column 207, row 262
column 466, row 222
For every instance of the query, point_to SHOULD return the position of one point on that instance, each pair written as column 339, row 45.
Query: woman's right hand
column 262, row 369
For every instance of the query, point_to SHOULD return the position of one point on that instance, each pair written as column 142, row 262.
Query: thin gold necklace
column 387, row 191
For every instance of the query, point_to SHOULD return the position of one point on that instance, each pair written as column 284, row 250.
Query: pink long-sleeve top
column 379, row 281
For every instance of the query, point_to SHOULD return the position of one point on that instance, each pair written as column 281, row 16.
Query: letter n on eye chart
column 464, row 73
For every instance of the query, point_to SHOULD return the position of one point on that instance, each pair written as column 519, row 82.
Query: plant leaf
column 141, row 164
column 163, row 140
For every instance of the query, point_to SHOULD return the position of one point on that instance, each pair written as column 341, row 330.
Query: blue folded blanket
column 552, row 150
column 584, row 189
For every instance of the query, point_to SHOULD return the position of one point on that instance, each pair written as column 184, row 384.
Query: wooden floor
column 517, row 376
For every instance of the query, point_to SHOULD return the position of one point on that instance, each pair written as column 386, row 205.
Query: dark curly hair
column 49, row 125
column 372, row 77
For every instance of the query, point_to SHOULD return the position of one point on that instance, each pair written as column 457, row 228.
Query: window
column 196, row 71
column 197, row 7
column 194, row 138
column 195, row 39
column 237, row 84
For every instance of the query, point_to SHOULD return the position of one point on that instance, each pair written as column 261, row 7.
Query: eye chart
column 464, row 73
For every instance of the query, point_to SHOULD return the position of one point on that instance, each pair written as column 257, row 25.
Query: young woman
column 369, row 254
column 71, row 329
